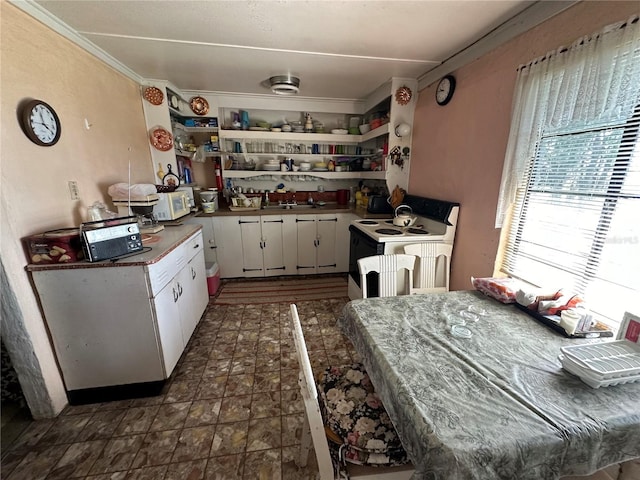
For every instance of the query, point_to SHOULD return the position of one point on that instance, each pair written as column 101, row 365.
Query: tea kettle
column 404, row 219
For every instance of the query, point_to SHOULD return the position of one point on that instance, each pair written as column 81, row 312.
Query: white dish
column 271, row 168
column 320, row 169
column 276, row 129
column 340, row 131
column 258, row 129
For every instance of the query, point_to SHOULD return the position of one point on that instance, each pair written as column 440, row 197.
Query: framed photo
column 630, row 328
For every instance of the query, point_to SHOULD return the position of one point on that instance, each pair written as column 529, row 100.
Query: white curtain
column 591, row 83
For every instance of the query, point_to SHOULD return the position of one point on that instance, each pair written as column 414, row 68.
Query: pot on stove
column 404, row 216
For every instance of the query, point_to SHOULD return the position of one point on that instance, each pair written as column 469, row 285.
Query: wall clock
column 40, row 123
column 446, row 87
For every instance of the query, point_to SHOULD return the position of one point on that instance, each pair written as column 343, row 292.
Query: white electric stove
column 436, row 222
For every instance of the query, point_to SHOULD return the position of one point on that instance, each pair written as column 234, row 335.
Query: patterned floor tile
column 37, row 464
column 228, row 467
column 235, row 409
column 264, row 433
column 265, row 405
column 229, row 438
column 118, row 454
column 77, row 460
column 137, row 420
column 186, row 470
column 203, row 412
column 170, row 416
column 157, row 448
column 265, row 465
column 194, row 443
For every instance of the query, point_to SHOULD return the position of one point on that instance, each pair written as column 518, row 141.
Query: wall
column 458, row 149
column 38, row 63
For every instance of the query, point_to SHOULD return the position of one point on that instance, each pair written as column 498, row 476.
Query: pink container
column 213, row 278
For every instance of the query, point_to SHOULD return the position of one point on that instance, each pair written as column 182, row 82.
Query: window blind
column 575, row 220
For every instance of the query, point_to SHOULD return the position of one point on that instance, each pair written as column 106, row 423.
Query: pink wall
column 458, row 149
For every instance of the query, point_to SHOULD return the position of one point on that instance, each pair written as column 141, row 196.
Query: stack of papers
column 603, row 364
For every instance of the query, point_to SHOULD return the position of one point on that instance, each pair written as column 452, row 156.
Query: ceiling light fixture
column 285, row 84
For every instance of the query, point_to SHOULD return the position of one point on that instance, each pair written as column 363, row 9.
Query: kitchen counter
column 328, row 208
column 157, row 247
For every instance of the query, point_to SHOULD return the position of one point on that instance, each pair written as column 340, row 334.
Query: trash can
column 213, row 278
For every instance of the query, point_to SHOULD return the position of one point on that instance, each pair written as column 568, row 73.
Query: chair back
column 313, row 424
column 387, row 267
column 434, row 265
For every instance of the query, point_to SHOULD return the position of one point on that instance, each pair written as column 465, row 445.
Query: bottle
column 308, row 124
column 160, row 171
column 218, row 177
column 266, row 198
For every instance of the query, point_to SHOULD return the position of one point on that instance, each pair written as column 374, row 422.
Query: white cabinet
column 317, row 243
column 209, row 237
column 228, row 245
column 263, row 251
column 128, row 322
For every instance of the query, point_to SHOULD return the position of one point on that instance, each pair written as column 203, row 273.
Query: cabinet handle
column 273, row 221
column 193, row 273
column 298, row 220
column 197, row 245
column 330, row 265
column 244, row 221
column 251, row 269
column 179, row 290
column 175, row 295
column 214, row 246
column 277, row 268
column 328, row 220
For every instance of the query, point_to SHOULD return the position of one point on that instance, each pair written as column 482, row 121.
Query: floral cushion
column 354, row 413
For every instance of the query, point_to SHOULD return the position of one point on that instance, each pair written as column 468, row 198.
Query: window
column 574, row 161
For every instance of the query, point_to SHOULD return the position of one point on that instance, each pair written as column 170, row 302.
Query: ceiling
column 338, row 49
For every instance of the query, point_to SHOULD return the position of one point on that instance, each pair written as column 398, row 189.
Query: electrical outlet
column 73, row 190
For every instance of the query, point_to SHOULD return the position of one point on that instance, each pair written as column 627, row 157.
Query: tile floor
column 231, row 409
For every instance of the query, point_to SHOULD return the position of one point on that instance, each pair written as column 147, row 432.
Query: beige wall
column 458, row 149
column 38, row 63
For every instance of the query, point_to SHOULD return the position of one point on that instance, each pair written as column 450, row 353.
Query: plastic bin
column 213, row 278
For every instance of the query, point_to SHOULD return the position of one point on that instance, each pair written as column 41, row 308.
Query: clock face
column 41, row 123
column 445, row 89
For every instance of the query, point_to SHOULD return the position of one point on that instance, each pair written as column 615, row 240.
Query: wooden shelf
column 327, row 175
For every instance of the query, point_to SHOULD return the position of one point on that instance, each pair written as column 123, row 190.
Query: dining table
column 495, row 404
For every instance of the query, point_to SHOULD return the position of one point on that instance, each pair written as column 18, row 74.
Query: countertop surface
column 156, row 246
column 328, row 208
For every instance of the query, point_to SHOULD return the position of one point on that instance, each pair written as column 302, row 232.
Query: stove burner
column 388, row 231
column 418, row 231
column 368, row 222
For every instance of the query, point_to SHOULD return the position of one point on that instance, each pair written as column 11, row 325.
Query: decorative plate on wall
column 161, row 138
column 199, row 105
column 153, row 95
column 403, row 95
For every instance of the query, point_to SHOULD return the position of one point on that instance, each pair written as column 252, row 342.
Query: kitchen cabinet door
column 307, row 238
column 169, row 325
column 252, row 244
column 194, row 295
column 208, row 236
column 229, row 248
column 273, row 245
column 326, row 243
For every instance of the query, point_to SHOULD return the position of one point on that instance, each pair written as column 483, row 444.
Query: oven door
column 361, row 246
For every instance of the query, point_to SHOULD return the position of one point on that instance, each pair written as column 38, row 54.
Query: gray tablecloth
column 495, row 406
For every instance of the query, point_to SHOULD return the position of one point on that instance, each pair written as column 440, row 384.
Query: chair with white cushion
column 387, row 267
column 348, row 460
column 433, row 266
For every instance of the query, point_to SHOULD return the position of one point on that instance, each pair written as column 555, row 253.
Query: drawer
column 162, row 272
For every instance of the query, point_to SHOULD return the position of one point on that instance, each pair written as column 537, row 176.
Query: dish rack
column 603, row 364
column 239, row 204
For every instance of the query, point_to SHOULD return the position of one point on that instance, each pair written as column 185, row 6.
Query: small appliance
column 171, row 206
column 142, row 207
column 105, row 240
column 192, row 194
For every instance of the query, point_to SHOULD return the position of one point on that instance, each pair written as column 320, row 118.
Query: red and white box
column 630, row 328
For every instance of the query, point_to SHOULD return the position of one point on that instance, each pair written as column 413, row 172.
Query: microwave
column 171, row 206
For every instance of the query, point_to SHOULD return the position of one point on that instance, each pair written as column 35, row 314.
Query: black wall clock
column 446, row 87
column 40, row 123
